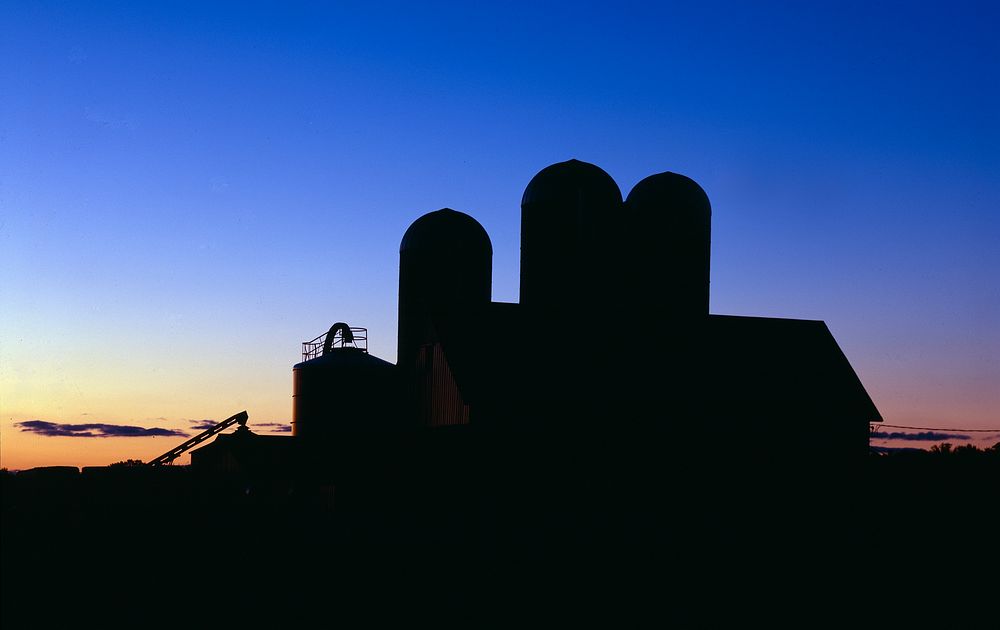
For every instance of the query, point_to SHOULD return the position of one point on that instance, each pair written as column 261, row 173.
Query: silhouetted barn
column 613, row 333
column 611, row 350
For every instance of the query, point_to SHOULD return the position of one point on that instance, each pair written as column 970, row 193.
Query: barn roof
column 749, row 366
column 792, row 365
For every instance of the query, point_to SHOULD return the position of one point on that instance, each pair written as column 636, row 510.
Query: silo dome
column 589, row 182
column 668, row 218
column 685, row 198
column 446, row 230
column 568, row 212
column 445, row 268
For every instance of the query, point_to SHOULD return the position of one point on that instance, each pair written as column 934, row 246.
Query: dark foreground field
column 915, row 538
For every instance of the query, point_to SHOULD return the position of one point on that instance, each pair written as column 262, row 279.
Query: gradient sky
column 187, row 192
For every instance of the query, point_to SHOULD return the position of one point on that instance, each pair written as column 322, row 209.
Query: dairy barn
column 609, row 382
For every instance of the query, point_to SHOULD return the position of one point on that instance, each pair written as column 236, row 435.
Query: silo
column 569, row 291
column 445, row 269
column 668, row 218
column 568, row 215
column 667, row 221
column 343, row 389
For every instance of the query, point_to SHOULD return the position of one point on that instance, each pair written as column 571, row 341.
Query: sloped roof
column 742, row 367
column 794, row 365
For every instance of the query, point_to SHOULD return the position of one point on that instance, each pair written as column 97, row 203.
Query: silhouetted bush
column 127, row 463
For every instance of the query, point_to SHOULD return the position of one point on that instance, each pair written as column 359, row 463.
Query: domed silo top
column 671, row 191
column 446, row 230
column 587, row 180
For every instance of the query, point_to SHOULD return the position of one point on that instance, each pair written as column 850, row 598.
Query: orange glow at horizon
column 20, row 450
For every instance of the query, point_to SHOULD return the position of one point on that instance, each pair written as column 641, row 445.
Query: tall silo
column 445, row 270
column 667, row 219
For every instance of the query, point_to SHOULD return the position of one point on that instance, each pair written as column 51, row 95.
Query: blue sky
column 189, row 191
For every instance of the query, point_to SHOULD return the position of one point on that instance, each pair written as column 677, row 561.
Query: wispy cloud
column 202, row 425
column 269, row 427
column 274, row 427
column 93, row 430
column 923, row 436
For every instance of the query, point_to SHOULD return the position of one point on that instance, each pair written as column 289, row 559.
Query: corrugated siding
column 440, row 401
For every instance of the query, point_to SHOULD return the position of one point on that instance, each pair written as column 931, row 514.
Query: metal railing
column 339, row 336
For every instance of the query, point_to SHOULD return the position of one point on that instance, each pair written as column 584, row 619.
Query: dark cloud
column 896, row 449
column 270, row 427
column 274, row 427
column 57, row 429
column 923, row 436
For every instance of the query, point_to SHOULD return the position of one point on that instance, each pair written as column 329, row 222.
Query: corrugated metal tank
column 445, row 268
column 568, row 237
column 668, row 218
column 346, row 390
